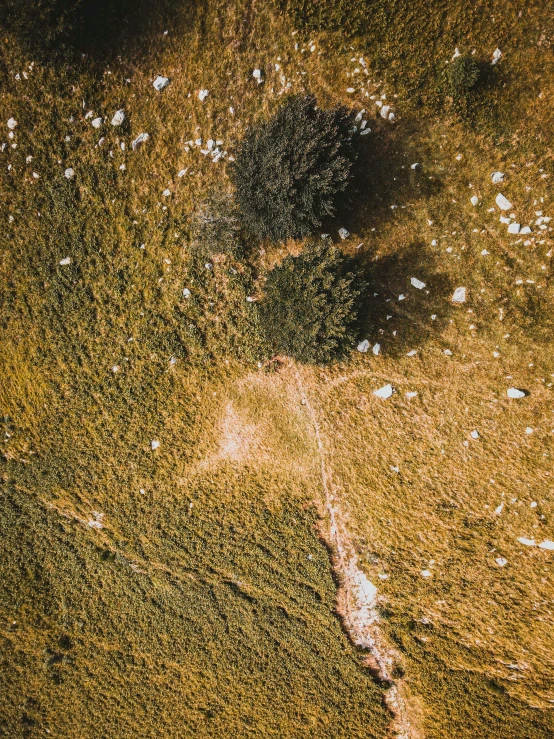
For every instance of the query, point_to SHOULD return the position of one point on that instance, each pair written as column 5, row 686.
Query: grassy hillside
column 184, row 590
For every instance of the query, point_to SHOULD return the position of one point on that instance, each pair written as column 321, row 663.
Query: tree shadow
column 402, row 324
column 58, row 32
column 386, row 174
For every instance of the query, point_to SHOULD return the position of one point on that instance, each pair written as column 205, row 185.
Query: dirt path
column 357, row 596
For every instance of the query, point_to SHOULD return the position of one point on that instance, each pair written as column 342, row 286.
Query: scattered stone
column 376, row 349
column 401, row 297
column 528, row 430
column 363, row 346
column 498, row 510
column 415, row 165
column 384, row 392
column 426, row 573
column 497, row 177
column 186, row 293
column 524, row 231
column 12, row 123
column 385, row 111
column 474, row 200
column 411, row 353
column 65, row 261
column 119, row 118
column 166, row 193
column 257, row 74
column 496, row 56
column 547, row 544
column 182, row 172
column 97, row 122
column 69, row 173
column 504, row 219
column 154, row 444
column 343, row 233
column 516, row 393
column 501, row 561
column 202, row 95
column 526, row 542
column 459, row 295
column 502, row 202
column 411, row 394
column 140, row 139
column 514, row 228
column 417, row 283
column 474, row 434
column 160, row 83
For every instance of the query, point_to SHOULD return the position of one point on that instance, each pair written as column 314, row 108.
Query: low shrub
column 215, row 227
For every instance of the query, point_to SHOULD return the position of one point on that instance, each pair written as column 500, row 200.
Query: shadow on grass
column 402, row 325
column 57, row 32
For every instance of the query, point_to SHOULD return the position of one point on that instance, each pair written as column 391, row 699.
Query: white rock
column 97, row 122
column 65, row 261
column 502, row 202
column 363, row 346
column 496, row 56
column 501, row 561
column 376, row 349
column 485, row 253
column 459, row 295
column 474, row 434
column 456, row 53
column 69, row 173
column 498, row 510
column 186, row 293
column 474, row 200
column 343, row 233
column 202, row 95
column 12, row 123
column 514, row 392
column 497, row 177
column 154, row 444
column 525, row 230
column 140, row 139
column 526, row 542
column 417, row 283
column 415, row 165
column 182, row 172
column 385, row 111
column 384, row 392
column 411, row 353
column 513, row 228
column 528, row 430
column 350, row 90
column 160, row 83
column 411, row 394
column 426, row 573
column 401, row 297
column 505, row 219
column 257, row 74
column 547, row 544
column 365, row 131
column 118, row 118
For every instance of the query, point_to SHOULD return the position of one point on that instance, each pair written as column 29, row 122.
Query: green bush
column 291, row 171
column 464, row 76
column 215, row 227
column 311, row 303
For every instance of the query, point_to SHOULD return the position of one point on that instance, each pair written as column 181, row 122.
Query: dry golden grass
column 194, row 610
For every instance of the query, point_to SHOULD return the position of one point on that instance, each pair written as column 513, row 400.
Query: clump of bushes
column 310, row 305
column 291, row 171
column 215, row 227
column 464, row 78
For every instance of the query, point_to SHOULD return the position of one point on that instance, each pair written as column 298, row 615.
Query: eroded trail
column 357, row 596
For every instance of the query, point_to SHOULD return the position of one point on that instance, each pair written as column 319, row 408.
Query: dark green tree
column 292, row 170
column 310, row 305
